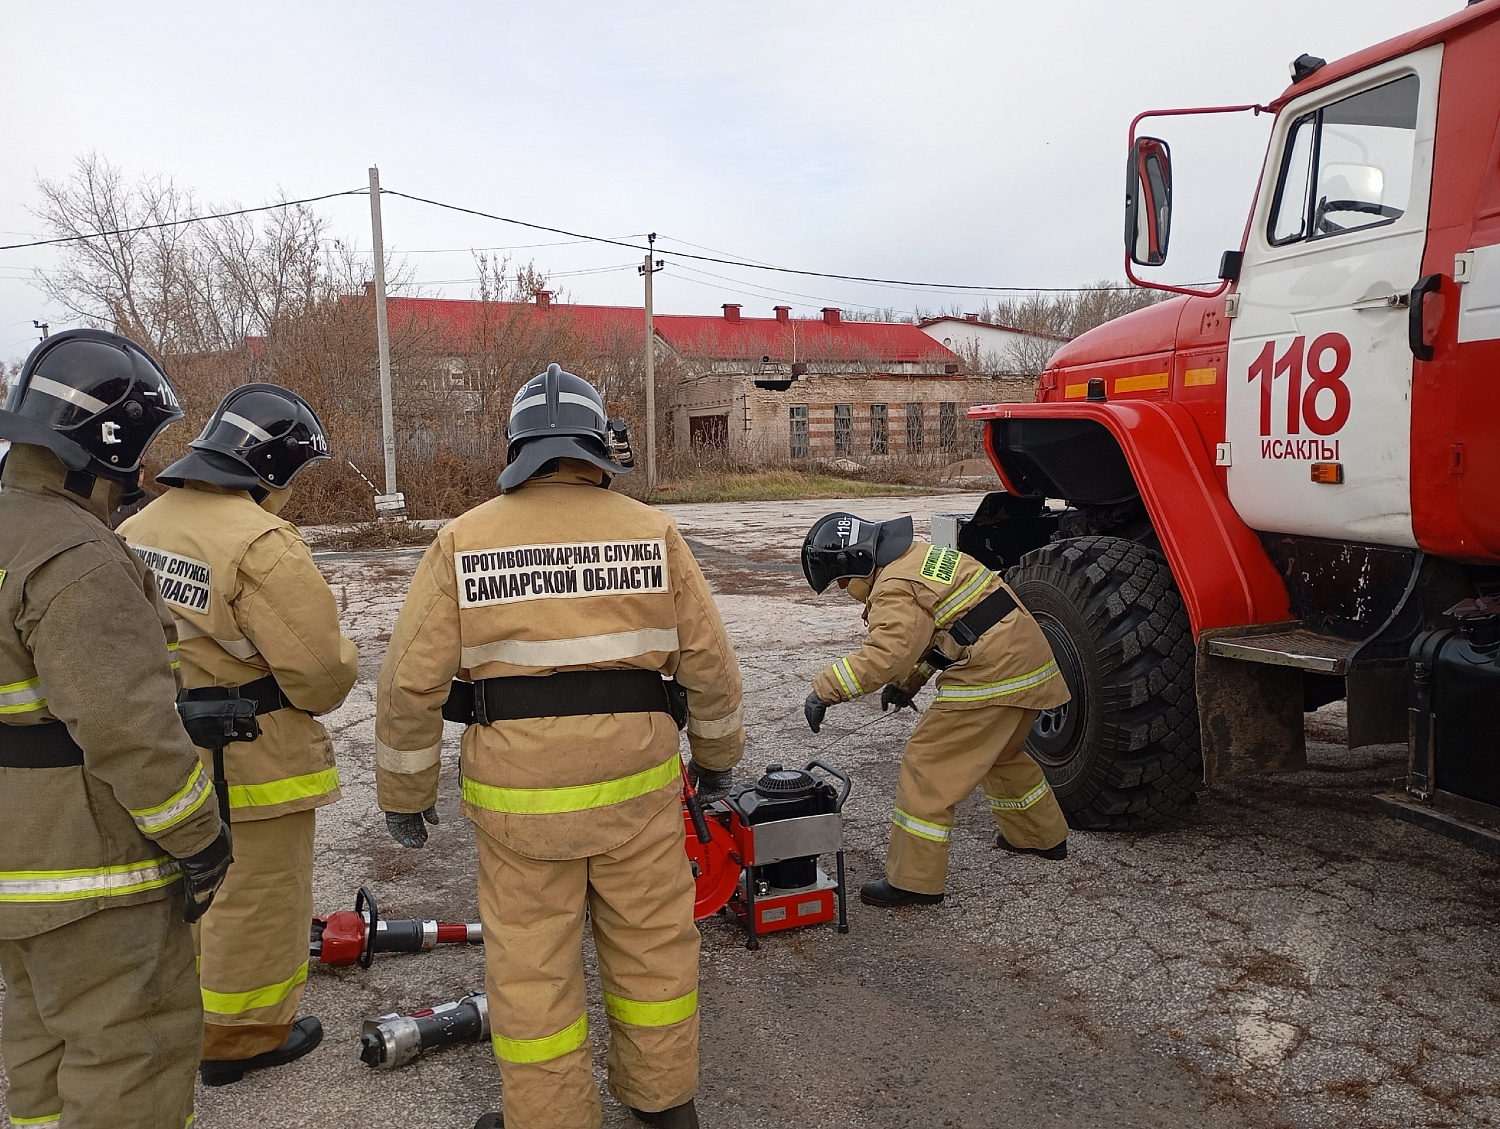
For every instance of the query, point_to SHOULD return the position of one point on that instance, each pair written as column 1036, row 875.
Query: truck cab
column 1251, row 499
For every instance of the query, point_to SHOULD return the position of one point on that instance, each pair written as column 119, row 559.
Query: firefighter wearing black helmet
column 256, row 619
column 934, row 611
column 109, row 829
column 562, row 605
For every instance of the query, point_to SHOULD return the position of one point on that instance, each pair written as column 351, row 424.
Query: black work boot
column 684, row 1116
column 1056, row 854
column 305, row 1035
column 882, row 893
column 492, row 1120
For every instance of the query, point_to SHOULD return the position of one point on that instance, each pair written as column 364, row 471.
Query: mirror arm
column 1251, row 107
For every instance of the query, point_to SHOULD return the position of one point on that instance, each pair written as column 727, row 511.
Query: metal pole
column 391, row 504
column 649, row 270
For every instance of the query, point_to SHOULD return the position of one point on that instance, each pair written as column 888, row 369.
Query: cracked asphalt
column 1281, row 955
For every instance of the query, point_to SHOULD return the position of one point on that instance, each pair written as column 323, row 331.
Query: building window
column 913, row 429
column 843, row 429
column 879, row 418
column 948, row 426
column 799, row 442
column 708, row 431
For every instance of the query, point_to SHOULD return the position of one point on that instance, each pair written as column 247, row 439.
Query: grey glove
column 407, row 827
column 709, row 783
column 893, row 695
column 203, row 874
column 815, row 707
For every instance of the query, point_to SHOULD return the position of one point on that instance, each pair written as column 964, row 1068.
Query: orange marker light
column 1330, row 473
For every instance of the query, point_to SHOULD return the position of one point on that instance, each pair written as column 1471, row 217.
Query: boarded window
column 843, row 429
column 879, row 419
column 708, row 431
column 798, row 437
column 948, row 426
column 914, row 429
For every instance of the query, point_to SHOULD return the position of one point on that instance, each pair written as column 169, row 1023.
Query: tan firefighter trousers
column 949, row 754
column 253, row 941
column 640, row 897
column 102, row 1021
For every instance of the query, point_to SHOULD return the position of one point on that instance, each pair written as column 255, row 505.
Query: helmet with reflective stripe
column 560, row 416
column 261, row 436
column 95, row 399
column 842, row 545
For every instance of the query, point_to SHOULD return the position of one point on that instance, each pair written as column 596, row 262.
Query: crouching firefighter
column 110, row 836
column 259, row 630
column 938, row 611
column 566, row 605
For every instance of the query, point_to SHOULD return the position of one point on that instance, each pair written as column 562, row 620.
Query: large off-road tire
column 1124, row 753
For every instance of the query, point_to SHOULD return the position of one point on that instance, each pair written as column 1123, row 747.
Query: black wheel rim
column 1054, row 734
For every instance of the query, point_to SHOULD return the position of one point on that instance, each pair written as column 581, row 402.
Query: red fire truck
column 1284, row 490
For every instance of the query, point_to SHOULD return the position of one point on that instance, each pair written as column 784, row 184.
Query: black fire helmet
column 260, row 437
column 841, row 545
column 95, row 399
column 560, row 416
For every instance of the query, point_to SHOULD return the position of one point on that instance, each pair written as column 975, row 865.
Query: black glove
column 407, row 828
column 815, row 707
column 203, row 874
column 709, row 783
column 893, row 695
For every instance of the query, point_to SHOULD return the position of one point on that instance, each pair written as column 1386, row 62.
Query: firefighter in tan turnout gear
column 938, row 611
column 256, row 621
column 107, row 818
column 566, row 604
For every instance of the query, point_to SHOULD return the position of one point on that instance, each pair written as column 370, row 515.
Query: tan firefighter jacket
column 556, row 575
column 910, row 604
column 249, row 601
column 86, row 643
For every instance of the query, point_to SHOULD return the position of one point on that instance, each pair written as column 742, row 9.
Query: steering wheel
column 1322, row 224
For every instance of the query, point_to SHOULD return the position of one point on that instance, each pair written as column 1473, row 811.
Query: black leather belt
column 265, row 692
column 967, row 629
column 48, row 745
column 568, row 693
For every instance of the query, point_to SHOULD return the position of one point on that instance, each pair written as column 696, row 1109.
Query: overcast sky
column 975, row 143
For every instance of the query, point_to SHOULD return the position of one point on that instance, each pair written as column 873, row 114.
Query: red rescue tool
column 355, row 936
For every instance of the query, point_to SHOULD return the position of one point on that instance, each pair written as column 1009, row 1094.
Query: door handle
column 1415, row 334
column 1384, row 302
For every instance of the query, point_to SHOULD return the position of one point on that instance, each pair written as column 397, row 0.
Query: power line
column 179, row 223
column 905, row 283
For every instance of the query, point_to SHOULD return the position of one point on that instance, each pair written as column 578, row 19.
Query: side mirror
column 1148, row 201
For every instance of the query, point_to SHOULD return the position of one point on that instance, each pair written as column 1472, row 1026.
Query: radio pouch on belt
column 213, row 717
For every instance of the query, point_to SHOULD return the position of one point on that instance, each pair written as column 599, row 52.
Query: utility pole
column 45, row 327
column 649, row 269
column 390, row 506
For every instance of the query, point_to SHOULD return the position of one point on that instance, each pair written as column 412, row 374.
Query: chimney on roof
column 731, row 311
column 971, row 317
column 543, row 299
column 783, row 313
column 833, row 315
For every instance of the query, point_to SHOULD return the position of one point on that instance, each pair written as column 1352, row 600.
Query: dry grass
column 375, row 535
column 772, row 486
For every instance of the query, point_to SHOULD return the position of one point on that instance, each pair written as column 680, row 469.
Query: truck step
column 1300, row 648
column 1472, row 832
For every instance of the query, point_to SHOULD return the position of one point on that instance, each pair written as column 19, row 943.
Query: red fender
column 1220, row 567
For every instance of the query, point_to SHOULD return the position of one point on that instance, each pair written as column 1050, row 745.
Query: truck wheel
column 1124, row 753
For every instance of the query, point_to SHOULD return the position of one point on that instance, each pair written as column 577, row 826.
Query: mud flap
column 1249, row 714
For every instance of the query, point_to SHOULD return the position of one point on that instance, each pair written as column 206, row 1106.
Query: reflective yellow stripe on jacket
column 22, row 697
column 953, row 692
column 36, row 886
column 49, row 1119
column 953, row 605
column 284, row 791
column 577, row 797
column 569, row 1039
column 189, row 798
